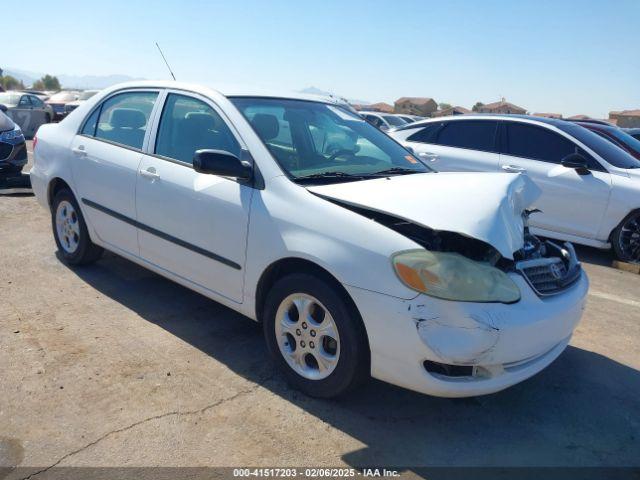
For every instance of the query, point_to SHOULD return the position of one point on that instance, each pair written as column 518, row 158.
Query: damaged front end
column 547, row 266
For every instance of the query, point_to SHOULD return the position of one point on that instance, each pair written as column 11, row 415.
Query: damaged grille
column 552, row 274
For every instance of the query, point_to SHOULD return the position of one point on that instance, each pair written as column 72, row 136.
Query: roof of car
column 228, row 90
column 483, row 116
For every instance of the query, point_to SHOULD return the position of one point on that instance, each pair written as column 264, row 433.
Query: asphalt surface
column 112, row 365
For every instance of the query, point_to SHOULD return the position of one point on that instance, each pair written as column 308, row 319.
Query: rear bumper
column 505, row 344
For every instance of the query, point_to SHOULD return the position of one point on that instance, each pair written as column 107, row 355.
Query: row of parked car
column 32, row 108
column 588, row 171
column 388, row 121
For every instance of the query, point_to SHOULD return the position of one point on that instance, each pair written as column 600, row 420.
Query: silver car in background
column 26, row 110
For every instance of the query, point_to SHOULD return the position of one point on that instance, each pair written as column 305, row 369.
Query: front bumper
column 505, row 344
column 12, row 157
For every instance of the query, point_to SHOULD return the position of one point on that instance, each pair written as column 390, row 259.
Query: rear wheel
column 70, row 231
column 315, row 336
column 626, row 238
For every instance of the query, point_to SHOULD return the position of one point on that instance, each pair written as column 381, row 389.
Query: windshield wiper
column 394, row 171
column 329, row 176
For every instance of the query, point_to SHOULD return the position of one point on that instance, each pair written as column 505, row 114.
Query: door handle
column 513, row 168
column 432, row 157
column 79, row 150
column 150, row 173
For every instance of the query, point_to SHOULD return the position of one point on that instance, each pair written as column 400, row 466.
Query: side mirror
column 220, row 162
column 577, row 162
column 3, row 108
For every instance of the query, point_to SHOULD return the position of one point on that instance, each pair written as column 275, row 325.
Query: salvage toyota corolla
column 356, row 258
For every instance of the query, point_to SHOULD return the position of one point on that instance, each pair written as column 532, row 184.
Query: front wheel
column 70, row 231
column 315, row 336
column 626, row 238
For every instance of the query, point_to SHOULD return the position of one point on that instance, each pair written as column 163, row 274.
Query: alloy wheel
column 629, row 239
column 67, row 226
column 307, row 336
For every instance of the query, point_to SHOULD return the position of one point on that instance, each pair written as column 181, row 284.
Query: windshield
column 394, row 121
column 86, row 95
column 7, row 98
column 313, row 139
column 610, row 152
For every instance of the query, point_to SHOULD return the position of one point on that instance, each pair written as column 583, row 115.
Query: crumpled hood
column 485, row 206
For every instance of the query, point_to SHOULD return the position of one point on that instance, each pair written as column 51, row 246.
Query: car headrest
column 266, row 125
column 127, row 118
column 202, row 121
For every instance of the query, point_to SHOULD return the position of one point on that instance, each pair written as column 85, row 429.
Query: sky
column 558, row 56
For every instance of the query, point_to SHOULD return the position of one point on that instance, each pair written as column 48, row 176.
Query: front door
column 570, row 203
column 193, row 225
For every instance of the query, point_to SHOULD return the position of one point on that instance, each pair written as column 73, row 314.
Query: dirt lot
column 111, row 365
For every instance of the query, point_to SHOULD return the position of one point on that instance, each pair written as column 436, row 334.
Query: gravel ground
column 111, row 365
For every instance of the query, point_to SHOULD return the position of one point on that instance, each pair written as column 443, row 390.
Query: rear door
column 192, row 224
column 105, row 158
column 572, row 204
column 22, row 114
column 39, row 111
column 458, row 146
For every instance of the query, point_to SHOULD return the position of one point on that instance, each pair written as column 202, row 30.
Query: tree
column 10, row 83
column 444, row 106
column 477, row 106
column 47, row 83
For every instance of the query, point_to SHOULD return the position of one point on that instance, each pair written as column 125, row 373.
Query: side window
column 530, row 141
column 375, row 121
column 24, row 102
column 474, row 135
column 187, row 125
column 124, row 118
column 426, row 134
column 36, row 102
column 91, row 123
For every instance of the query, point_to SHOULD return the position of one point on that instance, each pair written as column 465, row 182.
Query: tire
column 72, row 238
column 625, row 239
column 326, row 366
column 47, row 118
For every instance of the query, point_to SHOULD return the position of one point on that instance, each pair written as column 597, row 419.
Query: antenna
column 165, row 61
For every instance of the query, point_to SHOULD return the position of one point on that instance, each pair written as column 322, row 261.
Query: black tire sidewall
column 615, row 237
column 85, row 246
column 353, row 364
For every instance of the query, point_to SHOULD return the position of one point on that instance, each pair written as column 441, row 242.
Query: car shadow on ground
column 595, row 256
column 581, row 411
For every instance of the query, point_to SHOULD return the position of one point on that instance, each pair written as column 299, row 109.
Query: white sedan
column 590, row 187
column 295, row 212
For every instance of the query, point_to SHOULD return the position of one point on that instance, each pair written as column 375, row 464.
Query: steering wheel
column 340, row 152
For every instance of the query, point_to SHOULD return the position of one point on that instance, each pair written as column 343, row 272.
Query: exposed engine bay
column 547, row 266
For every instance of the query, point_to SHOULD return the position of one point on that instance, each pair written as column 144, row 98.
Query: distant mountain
column 86, row 82
column 83, row 82
column 324, row 93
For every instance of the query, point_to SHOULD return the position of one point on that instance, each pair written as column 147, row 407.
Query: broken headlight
column 451, row 276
